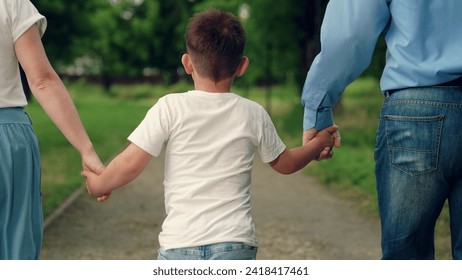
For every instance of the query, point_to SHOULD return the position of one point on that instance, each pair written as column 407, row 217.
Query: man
column 418, row 158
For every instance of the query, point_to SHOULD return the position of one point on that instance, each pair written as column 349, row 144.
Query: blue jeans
column 219, row 251
column 418, row 157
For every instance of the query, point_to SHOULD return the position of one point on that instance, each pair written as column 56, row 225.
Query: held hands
column 333, row 136
column 91, row 162
column 92, row 179
column 92, row 167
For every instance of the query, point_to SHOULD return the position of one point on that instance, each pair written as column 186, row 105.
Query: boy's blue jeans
column 418, row 157
column 219, row 251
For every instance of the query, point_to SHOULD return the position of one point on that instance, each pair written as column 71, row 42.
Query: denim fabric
column 219, row 251
column 418, row 157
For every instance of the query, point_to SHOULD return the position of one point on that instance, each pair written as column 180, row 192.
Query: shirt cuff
column 317, row 119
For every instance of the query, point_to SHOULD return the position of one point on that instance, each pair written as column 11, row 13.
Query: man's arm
column 349, row 34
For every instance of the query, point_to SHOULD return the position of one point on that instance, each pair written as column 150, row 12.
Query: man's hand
column 308, row 135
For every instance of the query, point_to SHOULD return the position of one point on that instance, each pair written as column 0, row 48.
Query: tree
column 117, row 42
column 116, row 38
column 132, row 38
column 68, row 24
column 283, row 36
column 169, row 37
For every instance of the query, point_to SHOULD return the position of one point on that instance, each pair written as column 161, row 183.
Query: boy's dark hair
column 215, row 41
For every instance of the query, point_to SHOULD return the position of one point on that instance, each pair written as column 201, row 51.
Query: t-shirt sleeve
column 153, row 131
column 271, row 145
column 23, row 15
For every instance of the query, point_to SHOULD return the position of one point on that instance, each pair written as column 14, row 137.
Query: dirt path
column 295, row 219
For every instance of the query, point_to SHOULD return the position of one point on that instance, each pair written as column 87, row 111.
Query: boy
column 211, row 136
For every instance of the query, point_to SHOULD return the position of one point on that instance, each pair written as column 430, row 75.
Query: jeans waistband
column 441, row 94
column 454, row 83
column 13, row 115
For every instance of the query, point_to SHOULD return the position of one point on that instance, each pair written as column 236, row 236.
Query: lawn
column 108, row 122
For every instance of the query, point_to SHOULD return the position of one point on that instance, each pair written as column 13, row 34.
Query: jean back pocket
column 413, row 142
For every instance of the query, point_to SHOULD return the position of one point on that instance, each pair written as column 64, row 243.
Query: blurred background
column 113, row 41
column 117, row 57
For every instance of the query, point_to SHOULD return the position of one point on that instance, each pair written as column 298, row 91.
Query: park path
column 295, row 219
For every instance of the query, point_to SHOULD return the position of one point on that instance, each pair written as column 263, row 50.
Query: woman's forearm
column 49, row 90
column 56, row 102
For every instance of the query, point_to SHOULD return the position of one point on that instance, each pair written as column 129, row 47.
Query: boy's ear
column 187, row 63
column 242, row 66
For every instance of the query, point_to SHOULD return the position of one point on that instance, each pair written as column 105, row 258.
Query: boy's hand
column 90, row 178
column 330, row 136
column 309, row 134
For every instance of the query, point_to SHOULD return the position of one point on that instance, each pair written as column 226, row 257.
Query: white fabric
column 211, row 139
column 16, row 17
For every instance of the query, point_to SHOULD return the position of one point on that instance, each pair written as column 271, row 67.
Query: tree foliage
column 68, row 22
column 134, row 38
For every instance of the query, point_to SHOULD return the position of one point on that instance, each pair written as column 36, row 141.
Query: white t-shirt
column 16, row 17
column 211, row 139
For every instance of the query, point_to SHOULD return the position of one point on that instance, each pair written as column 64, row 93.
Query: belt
column 454, row 83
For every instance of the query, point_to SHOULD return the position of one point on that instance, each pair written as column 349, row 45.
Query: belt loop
column 387, row 94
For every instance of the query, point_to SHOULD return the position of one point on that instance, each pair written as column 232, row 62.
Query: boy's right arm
column 292, row 160
column 123, row 169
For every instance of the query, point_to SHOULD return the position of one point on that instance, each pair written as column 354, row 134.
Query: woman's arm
column 50, row 92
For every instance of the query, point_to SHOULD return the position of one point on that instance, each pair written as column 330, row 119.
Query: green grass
column 351, row 170
column 110, row 117
column 108, row 122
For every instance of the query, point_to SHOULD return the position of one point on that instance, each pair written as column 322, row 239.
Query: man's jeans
column 418, row 166
column 219, row 251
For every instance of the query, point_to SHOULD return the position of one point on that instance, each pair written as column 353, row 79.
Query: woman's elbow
column 42, row 81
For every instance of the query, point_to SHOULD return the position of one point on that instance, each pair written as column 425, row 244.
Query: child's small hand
column 91, row 183
column 328, row 138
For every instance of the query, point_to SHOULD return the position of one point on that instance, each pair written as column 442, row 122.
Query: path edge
column 62, row 207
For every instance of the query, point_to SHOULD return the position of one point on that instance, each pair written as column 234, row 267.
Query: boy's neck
column 212, row 86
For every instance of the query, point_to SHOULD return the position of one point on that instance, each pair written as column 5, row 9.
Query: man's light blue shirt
column 424, row 48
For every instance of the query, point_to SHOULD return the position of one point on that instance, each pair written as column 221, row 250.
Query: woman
column 21, row 221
